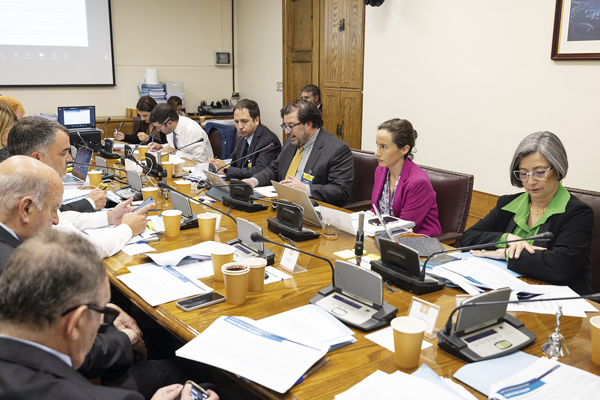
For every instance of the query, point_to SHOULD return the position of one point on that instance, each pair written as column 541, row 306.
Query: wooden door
column 331, row 110
column 351, row 121
column 353, row 45
column 331, row 46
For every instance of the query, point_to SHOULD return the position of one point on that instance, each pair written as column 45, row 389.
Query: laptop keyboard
column 72, row 179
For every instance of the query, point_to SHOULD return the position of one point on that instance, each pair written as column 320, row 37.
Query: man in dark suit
column 254, row 137
column 312, row 159
column 53, row 298
column 313, row 94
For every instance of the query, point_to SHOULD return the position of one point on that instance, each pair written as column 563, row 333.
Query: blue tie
column 174, row 139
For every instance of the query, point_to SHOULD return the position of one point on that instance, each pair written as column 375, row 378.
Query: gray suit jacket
column 330, row 163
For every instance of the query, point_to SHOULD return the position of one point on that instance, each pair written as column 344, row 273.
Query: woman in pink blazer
column 401, row 187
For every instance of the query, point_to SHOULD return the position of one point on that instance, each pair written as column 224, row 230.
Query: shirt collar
column 521, row 208
column 7, row 229
column 58, row 354
column 310, row 142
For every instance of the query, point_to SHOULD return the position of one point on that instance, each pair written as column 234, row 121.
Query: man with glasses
column 53, row 299
column 312, row 159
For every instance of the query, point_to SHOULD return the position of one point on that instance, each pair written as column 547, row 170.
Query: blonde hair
column 14, row 104
column 7, row 119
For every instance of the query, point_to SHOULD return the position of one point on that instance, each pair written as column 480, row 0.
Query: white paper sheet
column 134, row 249
column 385, row 338
column 174, row 257
column 267, row 191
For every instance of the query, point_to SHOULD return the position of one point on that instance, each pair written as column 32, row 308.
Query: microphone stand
column 267, row 147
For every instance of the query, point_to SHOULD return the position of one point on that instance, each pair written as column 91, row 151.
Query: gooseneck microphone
column 257, row 238
column 107, row 119
column 360, row 238
column 268, row 147
column 183, row 147
column 165, row 186
column 542, row 236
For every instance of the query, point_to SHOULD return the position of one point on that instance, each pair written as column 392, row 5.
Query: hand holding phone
column 149, row 200
column 197, row 392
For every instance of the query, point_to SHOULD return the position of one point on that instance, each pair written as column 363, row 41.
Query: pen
column 312, row 370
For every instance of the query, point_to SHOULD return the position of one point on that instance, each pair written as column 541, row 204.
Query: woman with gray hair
column 539, row 165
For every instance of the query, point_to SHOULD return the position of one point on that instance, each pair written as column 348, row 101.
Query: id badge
column 306, row 178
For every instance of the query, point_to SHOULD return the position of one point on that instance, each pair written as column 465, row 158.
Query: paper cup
column 134, row 112
column 595, row 327
column 408, row 337
column 142, row 151
column 220, row 256
column 235, row 275
column 95, row 178
column 150, row 191
column 168, row 166
column 256, row 279
column 172, row 221
column 207, row 224
column 184, row 187
column 128, row 112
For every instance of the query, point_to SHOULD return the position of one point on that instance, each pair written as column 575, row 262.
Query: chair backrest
column 365, row 164
column 136, row 125
column 454, row 191
column 214, row 137
column 593, row 200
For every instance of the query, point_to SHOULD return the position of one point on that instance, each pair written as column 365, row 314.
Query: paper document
column 398, row 227
column 346, row 223
column 424, row 372
column 174, row 257
column 267, row 191
column 385, row 338
column 253, row 353
column 134, row 249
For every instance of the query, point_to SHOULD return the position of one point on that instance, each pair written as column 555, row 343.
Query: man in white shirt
column 185, row 137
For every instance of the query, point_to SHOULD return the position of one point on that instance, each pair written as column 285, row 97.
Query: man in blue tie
column 255, row 138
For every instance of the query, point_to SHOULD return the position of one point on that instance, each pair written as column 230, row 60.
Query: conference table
column 350, row 364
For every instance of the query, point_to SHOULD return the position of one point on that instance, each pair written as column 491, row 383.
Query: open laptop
column 310, row 215
column 80, row 166
column 78, row 119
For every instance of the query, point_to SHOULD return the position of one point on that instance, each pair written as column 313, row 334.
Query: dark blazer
column 330, row 163
column 83, row 206
column 3, row 154
column 262, row 138
column 8, row 244
column 566, row 260
column 27, row 372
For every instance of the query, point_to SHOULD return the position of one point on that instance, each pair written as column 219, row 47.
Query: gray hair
column 15, row 186
column 549, row 146
column 32, row 134
column 47, row 275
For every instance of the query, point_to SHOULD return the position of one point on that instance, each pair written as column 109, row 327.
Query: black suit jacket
column 566, row 260
column 330, row 163
column 27, row 372
column 8, row 244
column 262, row 138
column 3, row 154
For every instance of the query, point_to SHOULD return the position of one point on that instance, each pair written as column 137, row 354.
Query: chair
column 593, row 200
column 365, row 164
column 136, row 125
column 454, row 191
column 222, row 138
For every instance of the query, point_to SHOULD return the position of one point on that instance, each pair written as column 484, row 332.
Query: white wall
column 179, row 38
column 259, row 56
column 475, row 77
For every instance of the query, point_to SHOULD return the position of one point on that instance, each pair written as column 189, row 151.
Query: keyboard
column 425, row 246
column 72, row 179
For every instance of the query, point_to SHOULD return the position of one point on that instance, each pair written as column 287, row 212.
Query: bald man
column 30, row 195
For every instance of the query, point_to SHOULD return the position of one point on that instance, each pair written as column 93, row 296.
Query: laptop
column 78, row 119
column 310, row 215
column 80, row 166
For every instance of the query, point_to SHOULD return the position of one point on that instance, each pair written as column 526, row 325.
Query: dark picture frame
column 584, row 48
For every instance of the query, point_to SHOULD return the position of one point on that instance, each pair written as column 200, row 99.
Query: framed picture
column 576, row 30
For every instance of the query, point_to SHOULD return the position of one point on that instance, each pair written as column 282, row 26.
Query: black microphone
column 83, row 141
column 542, row 236
column 96, row 165
column 277, row 203
column 360, row 238
column 268, row 147
column 165, row 186
column 257, row 238
column 107, row 119
column 151, row 136
column 183, row 147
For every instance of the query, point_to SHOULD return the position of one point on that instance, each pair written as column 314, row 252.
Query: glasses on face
column 289, row 128
column 110, row 314
column 538, row 174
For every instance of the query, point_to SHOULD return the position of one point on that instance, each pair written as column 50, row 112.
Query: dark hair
column 174, row 101
column 47, row 275
column 162, row 112
column 549, row 146
column 311, row 89
column 249, row 105
column 31, row 134
column 307, row 112
column 146, row 103
column 402, row 133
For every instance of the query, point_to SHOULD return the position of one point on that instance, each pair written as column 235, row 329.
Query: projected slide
column 55, row 42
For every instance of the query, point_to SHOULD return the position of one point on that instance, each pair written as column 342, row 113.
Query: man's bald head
column 30, row 195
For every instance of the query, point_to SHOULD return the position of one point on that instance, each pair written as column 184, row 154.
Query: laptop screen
column 77, row 117
column 82, row 163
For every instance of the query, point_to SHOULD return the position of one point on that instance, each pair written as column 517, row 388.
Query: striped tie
column 295, row 162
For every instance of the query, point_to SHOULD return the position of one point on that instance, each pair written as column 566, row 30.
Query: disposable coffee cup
column 142, row 151
column 331, row 228
column 207, row 225
column 595, row 327
column 134, row 112
column 184, row 187
column 95, row 178
column 219, row 257
column 168, row 166
column 128, row 112
column 235, row 275
column 256, row 280
column 408, row 337
column 172, row 221
column 150, row 191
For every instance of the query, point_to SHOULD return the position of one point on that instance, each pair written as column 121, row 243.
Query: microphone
column 268, row 147
column 120, row 126
column 99, row 166
column 183, row 147
column 257, row 238
column 360, row 238
column 151, row 136
column 83, row 141
column 107, row 119
column 541, row 237
column 165, row 186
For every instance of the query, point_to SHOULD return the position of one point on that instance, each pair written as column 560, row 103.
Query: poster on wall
column 576, row 30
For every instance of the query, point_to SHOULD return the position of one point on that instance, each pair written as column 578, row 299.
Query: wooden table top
column 350, row 364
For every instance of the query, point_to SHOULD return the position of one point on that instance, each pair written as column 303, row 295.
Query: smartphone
column 149, row 200
column 197, row 392
column 204, row 300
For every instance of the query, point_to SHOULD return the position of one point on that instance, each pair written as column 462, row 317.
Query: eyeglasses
column 110, row 314
column 539, row 174
column 289, row 128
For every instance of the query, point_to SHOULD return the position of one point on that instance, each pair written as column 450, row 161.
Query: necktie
column 295, row 163
column 174, row 140
column 245, row 153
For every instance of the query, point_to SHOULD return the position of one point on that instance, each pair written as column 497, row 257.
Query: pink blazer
column 414, row 199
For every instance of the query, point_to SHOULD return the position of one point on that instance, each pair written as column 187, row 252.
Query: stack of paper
column 397, row 227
